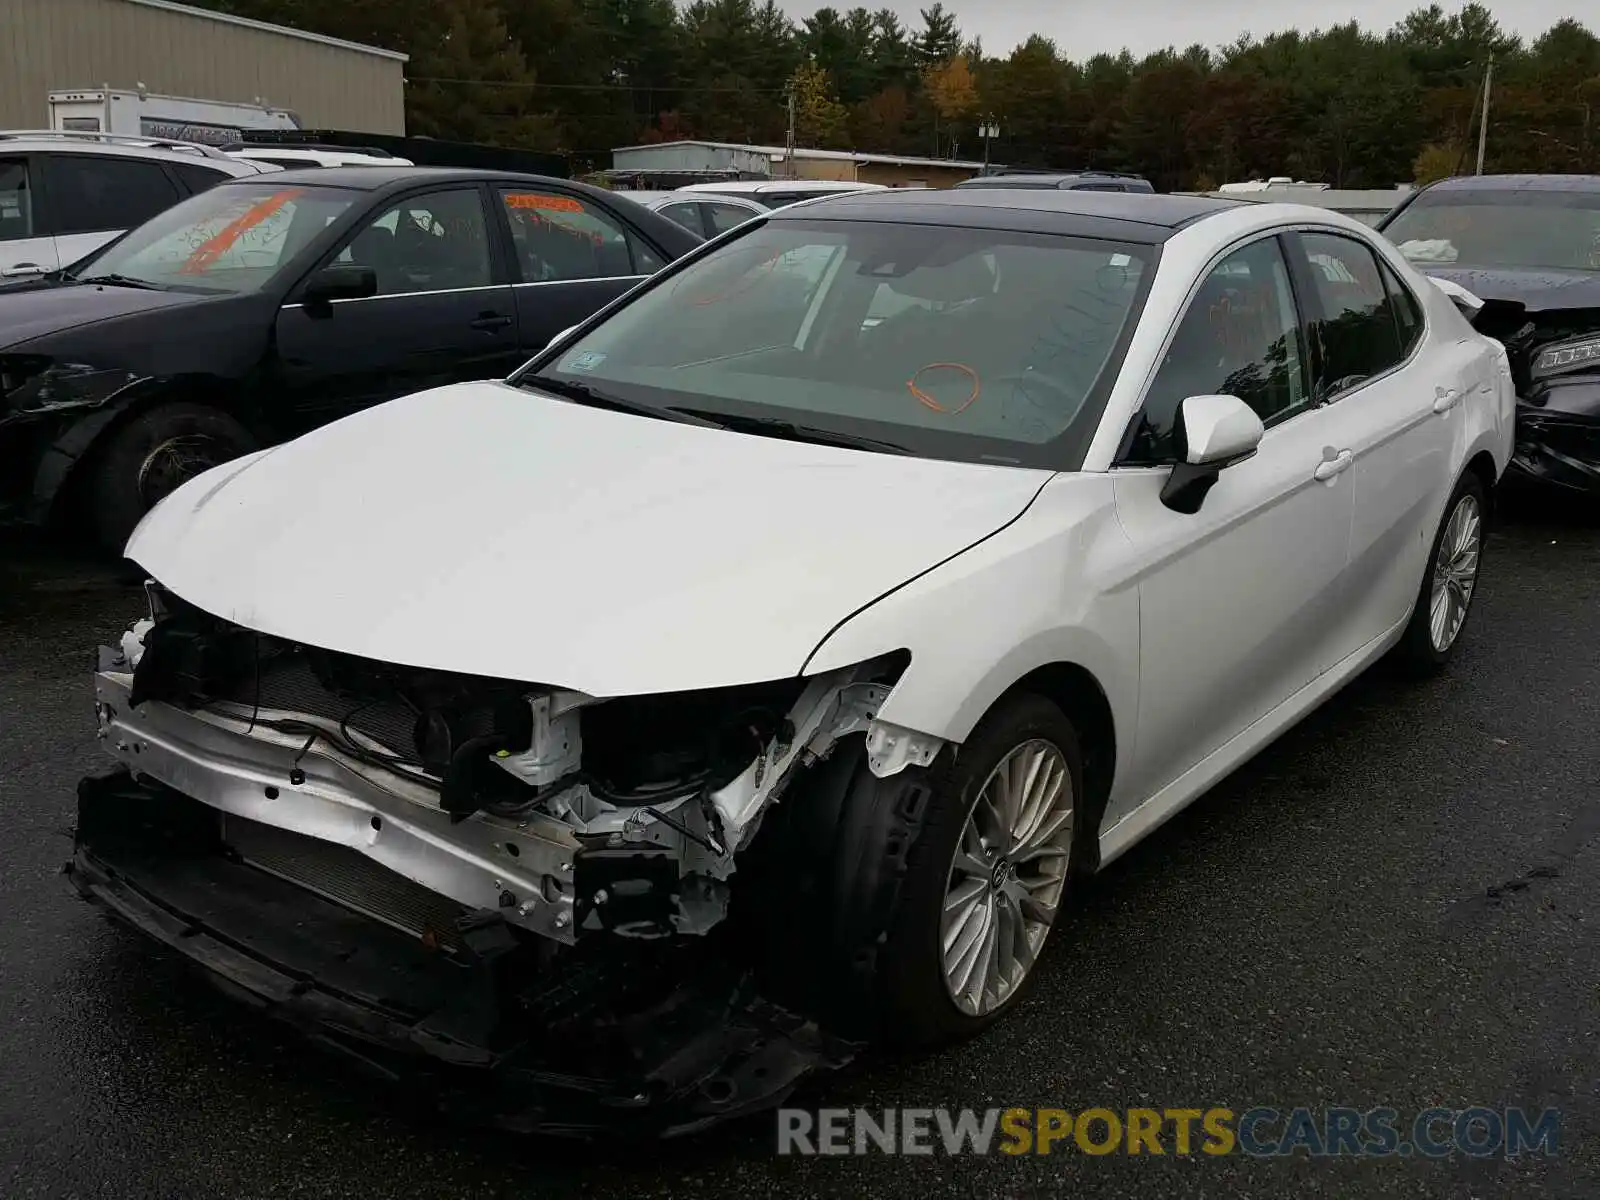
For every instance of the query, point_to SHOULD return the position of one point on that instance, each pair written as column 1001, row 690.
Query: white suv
column 63, row 195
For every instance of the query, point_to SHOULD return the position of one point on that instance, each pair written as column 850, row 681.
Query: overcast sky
column 1084, row 29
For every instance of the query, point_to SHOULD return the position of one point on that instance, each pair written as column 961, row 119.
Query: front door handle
column 1444, row 399
column 491, row 321
column 1338, row 464
column 22, row 269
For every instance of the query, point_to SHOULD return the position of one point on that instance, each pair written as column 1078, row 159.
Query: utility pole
column 788, row 158
column 1483, row 120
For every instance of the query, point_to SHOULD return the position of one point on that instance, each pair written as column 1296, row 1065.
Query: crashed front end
column 516, row 892
column 1555, row 362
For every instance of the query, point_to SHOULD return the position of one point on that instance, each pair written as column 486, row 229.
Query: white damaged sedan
column 836, row 597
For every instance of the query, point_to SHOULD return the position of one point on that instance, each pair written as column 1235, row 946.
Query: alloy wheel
column 1455, row 572
column 1007, row 877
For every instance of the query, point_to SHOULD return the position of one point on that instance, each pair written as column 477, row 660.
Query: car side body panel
column 1051, row 587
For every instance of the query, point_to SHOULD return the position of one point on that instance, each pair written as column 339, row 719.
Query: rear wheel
column 1451, row 581
column 150, row 457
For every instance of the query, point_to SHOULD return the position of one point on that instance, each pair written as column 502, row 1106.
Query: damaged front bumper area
column 1558, row 436
column 1555, row 364
column 544, row 876
column 663, row 1041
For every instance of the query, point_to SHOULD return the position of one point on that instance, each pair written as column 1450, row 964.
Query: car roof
column 315, row 157
column 1047, row 179
column 375, row 176
column 385, row 180
column 692, row 196
column 1126, row 216
column 758, row 186
column 116, row 146
column 1517, row 183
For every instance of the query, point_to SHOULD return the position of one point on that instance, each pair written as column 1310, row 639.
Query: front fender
column 68, row 406
column 1041, row 592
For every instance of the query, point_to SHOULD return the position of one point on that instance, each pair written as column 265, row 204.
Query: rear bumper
column 649, row 1040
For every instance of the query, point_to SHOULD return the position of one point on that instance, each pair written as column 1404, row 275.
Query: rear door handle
column 490, row 321
column 1444, row 399
column 1339, row 463
column 22, row 269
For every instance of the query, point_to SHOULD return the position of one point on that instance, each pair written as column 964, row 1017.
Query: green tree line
column 1343, row 105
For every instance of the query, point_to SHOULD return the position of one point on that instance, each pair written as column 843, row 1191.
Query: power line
column 595, row 87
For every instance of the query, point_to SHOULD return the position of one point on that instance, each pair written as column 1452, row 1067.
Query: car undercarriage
column 479, row 875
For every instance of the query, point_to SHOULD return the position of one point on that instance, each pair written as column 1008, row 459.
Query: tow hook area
column 612, row 1038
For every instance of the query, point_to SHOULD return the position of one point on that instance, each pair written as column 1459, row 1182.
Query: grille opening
column 348, row 878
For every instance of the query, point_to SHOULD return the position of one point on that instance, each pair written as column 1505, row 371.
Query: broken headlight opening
column 34, row 384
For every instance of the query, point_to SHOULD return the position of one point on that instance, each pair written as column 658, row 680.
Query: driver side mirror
column 1212, row 432
column 340, row 283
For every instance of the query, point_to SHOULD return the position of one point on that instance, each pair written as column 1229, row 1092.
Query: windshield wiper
column 117, row 281
column 583, row 393
column 778, row 427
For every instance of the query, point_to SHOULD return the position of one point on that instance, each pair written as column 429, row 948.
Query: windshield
column 972, row 344
column 1520, row 230
column 232, row 238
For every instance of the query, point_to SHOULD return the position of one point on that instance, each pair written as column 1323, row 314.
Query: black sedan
column 1528, row 246
column 272, row 304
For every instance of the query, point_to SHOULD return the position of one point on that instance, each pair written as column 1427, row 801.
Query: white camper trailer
column 139, row 113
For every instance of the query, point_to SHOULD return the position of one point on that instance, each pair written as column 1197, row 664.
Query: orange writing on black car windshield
column 208, row 252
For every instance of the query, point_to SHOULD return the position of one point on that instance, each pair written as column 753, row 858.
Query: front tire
column 1449, row 584
column 913, row 909
column 149, row 457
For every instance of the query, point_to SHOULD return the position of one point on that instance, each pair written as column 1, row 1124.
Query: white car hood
column 494, row 531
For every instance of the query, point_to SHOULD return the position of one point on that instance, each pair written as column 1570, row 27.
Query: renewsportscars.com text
column 1477, row 1132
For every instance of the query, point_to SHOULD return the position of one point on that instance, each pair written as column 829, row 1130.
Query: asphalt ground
column 1396, row 905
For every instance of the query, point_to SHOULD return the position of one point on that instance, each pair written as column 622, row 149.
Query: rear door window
column 1407, row 308
column 90, row 194
column 16, row 200
column 721, row 216
column 1355, row 330
column 560, row 238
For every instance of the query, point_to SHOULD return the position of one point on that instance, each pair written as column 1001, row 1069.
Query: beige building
column 174, row 50
column 890, row 169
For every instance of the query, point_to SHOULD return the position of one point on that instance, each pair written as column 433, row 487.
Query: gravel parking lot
column 1398, row 904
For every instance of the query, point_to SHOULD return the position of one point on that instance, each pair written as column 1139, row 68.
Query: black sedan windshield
column 1526, row 228
column 233, row 238
column 948, row 342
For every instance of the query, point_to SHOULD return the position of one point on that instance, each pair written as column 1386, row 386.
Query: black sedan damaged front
column 1527, row 249
column 515, row 896
column 1555, row 358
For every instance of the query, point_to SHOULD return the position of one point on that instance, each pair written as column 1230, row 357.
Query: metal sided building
column 175, row 50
